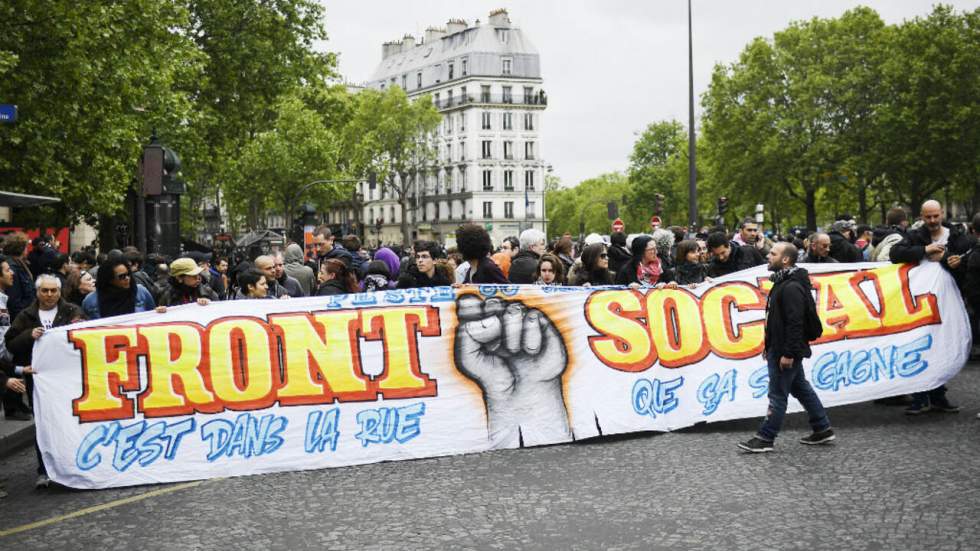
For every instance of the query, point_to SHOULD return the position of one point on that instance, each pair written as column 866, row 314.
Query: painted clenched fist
column 517, row 356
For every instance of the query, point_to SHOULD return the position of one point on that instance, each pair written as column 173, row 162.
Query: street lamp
column 692, row 185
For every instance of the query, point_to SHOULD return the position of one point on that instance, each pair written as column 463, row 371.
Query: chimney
column 454, row 26
column 499, row 18
column 389, row 48
column 433, row 33
column 408, row 42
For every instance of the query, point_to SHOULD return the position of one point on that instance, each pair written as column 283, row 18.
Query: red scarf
column 649, row 274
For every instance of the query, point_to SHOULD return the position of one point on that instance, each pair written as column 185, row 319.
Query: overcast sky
column 610, row 67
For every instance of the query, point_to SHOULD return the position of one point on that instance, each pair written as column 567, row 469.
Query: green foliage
column 569, row 207
column 90, row 81
column 392, row 137
column 278, row 165
column 658, row 165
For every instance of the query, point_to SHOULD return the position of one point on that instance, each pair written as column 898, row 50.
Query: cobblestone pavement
column 890, row 482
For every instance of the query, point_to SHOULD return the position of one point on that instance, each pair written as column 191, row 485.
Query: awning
column 11, row 199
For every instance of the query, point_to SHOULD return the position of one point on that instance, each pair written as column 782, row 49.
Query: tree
column 928, row 120
column 392, row 137
column 658, row 166
column 583, row 207
column 90, row 82
column 256, row 52
column 782, row 122
column 278, row 165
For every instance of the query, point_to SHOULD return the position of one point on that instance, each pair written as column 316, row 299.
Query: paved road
column 890, row 482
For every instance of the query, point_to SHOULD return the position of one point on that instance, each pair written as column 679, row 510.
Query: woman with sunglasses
column 594, row 269
column 115, row 292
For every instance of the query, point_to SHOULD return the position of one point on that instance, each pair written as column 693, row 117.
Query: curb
column 14, row 440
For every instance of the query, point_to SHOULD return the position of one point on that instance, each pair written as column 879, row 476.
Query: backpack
column 812, row 326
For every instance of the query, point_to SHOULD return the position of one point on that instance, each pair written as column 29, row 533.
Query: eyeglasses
column 121, row 277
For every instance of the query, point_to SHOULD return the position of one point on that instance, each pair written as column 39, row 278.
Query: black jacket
column 523, row 266
column 18, row 339
column 412, row 278
column 618, row 257
column 742, row 257
column 687, row 273
column 913, row 247
column 785, row 311
column 175, row 294
column 486, row 271
column 332, row 287
column 842, row 250
column 971, row 278
column 811, row 259
column 22, row 293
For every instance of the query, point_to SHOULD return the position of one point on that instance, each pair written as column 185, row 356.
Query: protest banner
column 259, row 386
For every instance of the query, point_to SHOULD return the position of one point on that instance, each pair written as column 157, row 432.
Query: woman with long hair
column 336, row 279
column 688, row 269
column 594, row 269
column 563, row 250
column 644, row 268
column 475, row 246
column 78, row 285
column 115, row 291
column 550, row 271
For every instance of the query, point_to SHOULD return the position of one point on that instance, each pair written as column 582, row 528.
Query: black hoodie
column 785, row 311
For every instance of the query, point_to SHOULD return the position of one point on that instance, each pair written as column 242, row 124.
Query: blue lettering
column 321, row 430
column 386, row 425
column 714, row 389
column 655, row 397
column 759, row 382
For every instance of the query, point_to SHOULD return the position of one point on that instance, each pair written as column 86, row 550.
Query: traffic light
column 658, row 203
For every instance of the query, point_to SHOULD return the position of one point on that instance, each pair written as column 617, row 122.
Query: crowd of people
column 41, row 288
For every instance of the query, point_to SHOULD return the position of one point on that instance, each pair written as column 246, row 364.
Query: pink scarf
column 649, row 274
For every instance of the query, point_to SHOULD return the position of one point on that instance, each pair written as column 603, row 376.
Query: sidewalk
column 14, row 435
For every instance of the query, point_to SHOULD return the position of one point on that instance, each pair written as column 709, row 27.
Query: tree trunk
column 406, row 234
column 863, row 203
column 811, row 209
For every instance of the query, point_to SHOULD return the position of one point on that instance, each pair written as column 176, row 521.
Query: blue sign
column 8, row 113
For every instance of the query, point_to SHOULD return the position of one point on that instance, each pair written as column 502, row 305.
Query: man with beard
column 934, row 241
column 786, row 346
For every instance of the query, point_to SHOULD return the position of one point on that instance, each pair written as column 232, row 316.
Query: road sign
column 655, row 222
column 8, row 112
column 617, row 225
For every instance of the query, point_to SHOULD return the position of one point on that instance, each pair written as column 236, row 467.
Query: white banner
column 245, row 387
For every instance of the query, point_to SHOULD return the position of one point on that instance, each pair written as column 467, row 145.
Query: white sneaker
column 42, row 481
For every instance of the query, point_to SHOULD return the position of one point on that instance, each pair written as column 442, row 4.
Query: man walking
column 786, row 346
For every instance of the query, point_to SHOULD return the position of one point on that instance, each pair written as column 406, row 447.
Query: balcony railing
column 492, row 99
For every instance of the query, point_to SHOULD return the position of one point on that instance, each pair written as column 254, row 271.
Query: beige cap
column 184, row 266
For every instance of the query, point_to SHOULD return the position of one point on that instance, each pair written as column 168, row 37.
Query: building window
column 438, row 73
column 486, row 120
column 418, row 79
column 528, row 94
column 485, row 93
column 508, row 180
column 508, row 209
column 487, row 181
column 462, row 151
column 437, row 100
column 487, row 209
column 507, row 97
column 462, row 122
column 462, row 66
column 452, row 73
column 529, row 180
column 528, row 121
column 391, row 214
column 486, row 149
column 462, row 179
column 462, row 95
column 506, row 66
column 449, row 98
column 371, row 215
column 508, row 121
column 529, row 150
column 404, row 82
column 508, row 150
column 449, row 153
column 530, row 209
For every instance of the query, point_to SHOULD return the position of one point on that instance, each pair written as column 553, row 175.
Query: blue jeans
column 782, row 384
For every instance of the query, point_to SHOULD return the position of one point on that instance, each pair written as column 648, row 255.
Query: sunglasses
column 122, row 277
